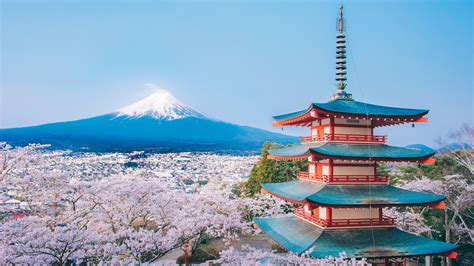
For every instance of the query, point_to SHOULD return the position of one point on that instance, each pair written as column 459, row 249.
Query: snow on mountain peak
column 159, row 105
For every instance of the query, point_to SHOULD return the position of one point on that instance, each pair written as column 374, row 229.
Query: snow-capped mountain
column 159, row 122
column 160, row 105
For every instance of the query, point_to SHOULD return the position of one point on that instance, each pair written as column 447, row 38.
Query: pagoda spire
column 341, row 60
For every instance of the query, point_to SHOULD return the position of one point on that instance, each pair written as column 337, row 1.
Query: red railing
column 346, row 138
column 362, row 222
column 343, row 178
column 306, row 175
column 384, row 221
column 300, row 213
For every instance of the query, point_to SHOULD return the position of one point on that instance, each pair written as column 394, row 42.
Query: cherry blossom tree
column 16, row 158
column 124, row 218
column 410, row 219
column 459, row 201
column 251, row 256
column 460, row 145
column 33, row 239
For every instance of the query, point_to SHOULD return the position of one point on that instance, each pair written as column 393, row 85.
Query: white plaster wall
column 312, row 169
column 327, row 130
column 322, row 213
column 355, row 213
column 325, row 121
column 352, row 130
column 325, row 169
column 353, row 170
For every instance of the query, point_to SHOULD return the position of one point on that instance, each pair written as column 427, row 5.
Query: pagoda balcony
column 346, row 138
column 343, row 178
column 336, row 223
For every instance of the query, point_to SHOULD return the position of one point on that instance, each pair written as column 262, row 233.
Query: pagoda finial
column 341, row 61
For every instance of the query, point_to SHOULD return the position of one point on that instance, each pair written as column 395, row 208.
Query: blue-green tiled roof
column 299, row 236
column 360, row 108
column 290, row 115
column 298, row 241
column 357, row 108
column 297, row 190
column 354, row 151
column 371, row 195
column 349, row 195
column 291, row 151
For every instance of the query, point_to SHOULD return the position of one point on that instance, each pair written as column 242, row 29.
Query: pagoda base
column 299, row 236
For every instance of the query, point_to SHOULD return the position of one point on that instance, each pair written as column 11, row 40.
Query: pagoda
column 340, row 199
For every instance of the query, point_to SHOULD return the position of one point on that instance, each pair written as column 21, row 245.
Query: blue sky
column 238, row 61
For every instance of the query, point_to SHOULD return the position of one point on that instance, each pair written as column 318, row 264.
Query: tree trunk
column 447, row 230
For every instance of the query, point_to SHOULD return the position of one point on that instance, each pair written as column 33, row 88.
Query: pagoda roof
column 349, row 195
column 349, row 108
column 299, row 236
column 380, row 152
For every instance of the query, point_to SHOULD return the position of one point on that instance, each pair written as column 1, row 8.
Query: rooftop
column 379, row 152
column 349, row 195
column 299, row 236
column 351, row 108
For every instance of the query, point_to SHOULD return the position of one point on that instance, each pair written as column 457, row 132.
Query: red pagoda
column 340, row 199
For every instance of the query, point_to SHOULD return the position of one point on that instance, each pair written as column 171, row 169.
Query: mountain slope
column 158, row 122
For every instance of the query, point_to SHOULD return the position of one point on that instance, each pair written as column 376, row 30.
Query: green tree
column 271, row 171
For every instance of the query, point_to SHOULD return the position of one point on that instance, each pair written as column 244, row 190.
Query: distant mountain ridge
column 159, row 122
column 448, row 147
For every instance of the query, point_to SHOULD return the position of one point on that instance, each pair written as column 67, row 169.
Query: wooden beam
column 451, row 255
column 438, row 205
column 429, row 161
column 422, row 119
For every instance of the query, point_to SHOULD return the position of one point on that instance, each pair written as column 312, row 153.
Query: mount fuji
column 159, row 122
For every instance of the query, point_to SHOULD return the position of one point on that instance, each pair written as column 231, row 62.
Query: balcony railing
column 343, row 178
column 306, row 175
column 345, row 138
column 384, row 221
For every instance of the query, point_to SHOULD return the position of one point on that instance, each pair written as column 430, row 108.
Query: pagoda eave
column 321, row 194
column 423, row 160
column 361, row 152
column 288, row 158
column 375, row 205
column 264, row 191
column 380, row 115
column 299, row 236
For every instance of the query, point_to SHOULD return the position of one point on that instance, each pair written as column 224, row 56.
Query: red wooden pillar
column 315, row 212
column 331, row 170
column 328, row 215
column 375, row 170
column 380, row 215
column 331, row 122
